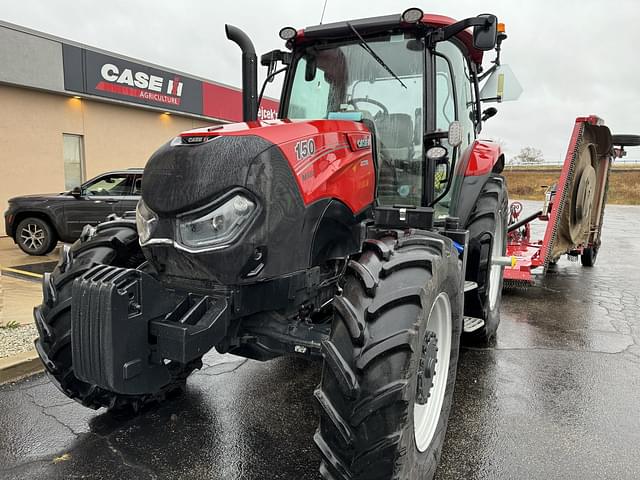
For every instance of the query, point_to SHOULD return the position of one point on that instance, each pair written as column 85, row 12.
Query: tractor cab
column 413, row 80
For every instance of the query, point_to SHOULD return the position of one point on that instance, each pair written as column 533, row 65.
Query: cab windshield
column 329, row 81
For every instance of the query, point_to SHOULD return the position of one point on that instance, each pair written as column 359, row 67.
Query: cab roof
column 373, row 25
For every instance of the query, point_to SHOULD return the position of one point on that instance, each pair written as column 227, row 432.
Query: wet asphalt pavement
column 557, row 397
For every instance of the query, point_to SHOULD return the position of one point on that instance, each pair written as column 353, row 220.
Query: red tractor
column 366, row 229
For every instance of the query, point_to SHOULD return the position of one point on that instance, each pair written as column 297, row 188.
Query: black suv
column 37, row 222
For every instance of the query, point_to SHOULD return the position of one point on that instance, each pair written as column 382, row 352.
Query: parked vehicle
column 366, row 229
column 37, row 222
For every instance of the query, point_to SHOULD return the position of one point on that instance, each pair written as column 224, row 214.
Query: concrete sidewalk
column 20, row 291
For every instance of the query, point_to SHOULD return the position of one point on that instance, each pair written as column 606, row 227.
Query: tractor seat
column 395, row 137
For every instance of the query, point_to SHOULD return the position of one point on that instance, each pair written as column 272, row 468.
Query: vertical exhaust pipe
column 249, row 72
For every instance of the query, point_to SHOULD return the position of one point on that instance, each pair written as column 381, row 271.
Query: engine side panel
column 329, row 158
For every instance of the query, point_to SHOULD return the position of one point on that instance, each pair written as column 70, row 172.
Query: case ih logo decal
column 359, row 141
column 140, row 84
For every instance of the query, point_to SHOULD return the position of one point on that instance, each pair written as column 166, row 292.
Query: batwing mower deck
column 573, row 208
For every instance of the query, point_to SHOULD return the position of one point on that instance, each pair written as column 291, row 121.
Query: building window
column 73, row 153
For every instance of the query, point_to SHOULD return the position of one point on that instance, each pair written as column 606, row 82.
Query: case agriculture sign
column 94, row 73
column 140, row 85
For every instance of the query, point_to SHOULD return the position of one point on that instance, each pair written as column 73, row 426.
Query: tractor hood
column 287, row 174
column 201, row 164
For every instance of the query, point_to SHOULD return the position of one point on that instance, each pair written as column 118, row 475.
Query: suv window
column 137, row 185
column 116, row 185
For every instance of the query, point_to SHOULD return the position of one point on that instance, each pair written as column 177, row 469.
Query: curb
column 19, row 366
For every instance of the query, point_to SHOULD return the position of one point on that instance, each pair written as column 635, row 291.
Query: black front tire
column 111, row 243
column 35, row 236
column 370, row 378
column 489, row 214
column 589, row 256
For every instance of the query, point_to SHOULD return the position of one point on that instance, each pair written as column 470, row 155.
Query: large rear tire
column 487, row 228
column 390, row 363
column 111, row 243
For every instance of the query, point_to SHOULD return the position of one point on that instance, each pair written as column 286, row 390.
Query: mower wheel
column 110, row 243
column 487, row 222
column 390, row 362
column 588, row 257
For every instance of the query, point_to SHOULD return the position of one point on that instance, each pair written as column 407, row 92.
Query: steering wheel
column 378, row 104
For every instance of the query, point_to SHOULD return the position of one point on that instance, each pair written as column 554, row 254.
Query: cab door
column 98, row 198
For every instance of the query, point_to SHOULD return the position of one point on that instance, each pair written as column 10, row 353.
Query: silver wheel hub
column 32, row 236
column 496, row 270
column 433, row 372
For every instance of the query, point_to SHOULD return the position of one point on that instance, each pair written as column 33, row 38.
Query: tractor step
column 469, row 285
column 471, row 324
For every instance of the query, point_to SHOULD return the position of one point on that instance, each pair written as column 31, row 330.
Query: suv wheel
column 35, row 236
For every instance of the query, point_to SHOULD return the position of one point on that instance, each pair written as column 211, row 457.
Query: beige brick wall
column 31, row 128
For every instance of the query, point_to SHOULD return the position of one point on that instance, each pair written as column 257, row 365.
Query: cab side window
column 311, row 96
column 463, row 91
column 445, row 95
column 445, row 114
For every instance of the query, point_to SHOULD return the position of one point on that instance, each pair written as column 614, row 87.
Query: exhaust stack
column 249, row 72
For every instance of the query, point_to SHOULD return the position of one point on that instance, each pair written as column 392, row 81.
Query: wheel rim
column 32, row 236
column 496, row 270
column 434, row 373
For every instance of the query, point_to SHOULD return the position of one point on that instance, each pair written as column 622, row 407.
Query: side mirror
column 485, row 36
column 488, row 113
column 454, row 136
column 76, row 192
column 310, row 69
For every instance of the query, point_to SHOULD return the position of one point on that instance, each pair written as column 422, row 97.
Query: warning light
column 501, row 28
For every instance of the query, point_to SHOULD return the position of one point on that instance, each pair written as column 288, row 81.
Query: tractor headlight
column 220, row 226
column 146, row 221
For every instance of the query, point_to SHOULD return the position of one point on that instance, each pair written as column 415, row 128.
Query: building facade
column 69, row 112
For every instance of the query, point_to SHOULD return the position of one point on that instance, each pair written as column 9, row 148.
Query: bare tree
column 528, row 156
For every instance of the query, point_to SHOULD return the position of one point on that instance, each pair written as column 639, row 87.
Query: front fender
column 479, row 160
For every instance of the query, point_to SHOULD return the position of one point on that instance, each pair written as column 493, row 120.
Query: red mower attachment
column 573, row 207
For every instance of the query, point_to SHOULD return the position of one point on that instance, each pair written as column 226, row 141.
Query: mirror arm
column 441, row 34
column 488, row 71
column 496, row 61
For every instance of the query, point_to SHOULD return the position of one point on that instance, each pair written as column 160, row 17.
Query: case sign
column 103, row 75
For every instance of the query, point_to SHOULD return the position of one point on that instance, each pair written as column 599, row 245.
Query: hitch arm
column 524, row 221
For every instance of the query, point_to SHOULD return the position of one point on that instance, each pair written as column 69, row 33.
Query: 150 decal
column 305, row 148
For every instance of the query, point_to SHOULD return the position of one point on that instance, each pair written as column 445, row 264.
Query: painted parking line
column 17, row 273
column 21, row 272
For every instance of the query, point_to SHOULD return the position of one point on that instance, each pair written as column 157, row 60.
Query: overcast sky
column 572, row 57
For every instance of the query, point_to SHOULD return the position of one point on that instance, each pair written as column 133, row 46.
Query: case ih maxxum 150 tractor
column 366, row 228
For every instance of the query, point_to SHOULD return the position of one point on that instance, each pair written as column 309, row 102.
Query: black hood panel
column 183, row 177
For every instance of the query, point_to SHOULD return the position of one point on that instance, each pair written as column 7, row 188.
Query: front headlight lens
column 219, row 226
column 146, row 221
